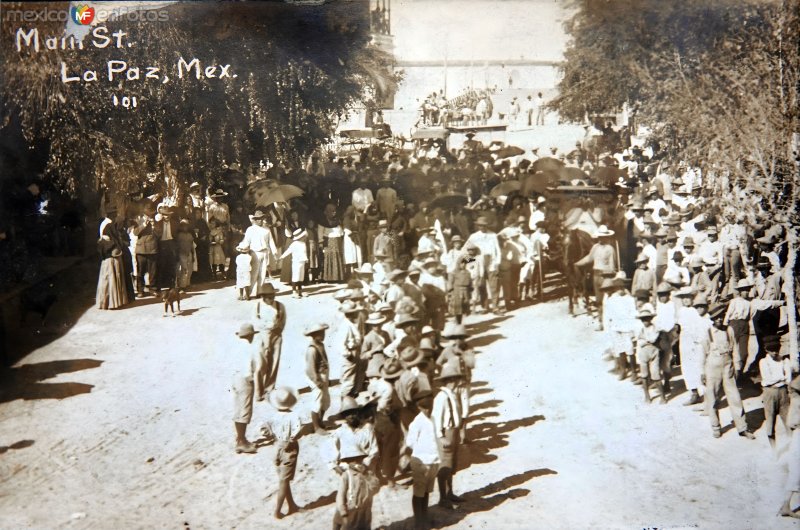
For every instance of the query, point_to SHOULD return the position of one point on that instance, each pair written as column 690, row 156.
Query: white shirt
column 259, row 239
column 362, row 198
column 666, row 315
column 421, row 438
column 445, row 413
column 489, row 247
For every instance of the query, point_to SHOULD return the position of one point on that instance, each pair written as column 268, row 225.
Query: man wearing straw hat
column 247, row 365
column 353, row 368
column 270, row 316
column 446, row 415
column 603, row 258
column 317, row 371
column 286, row 428
column 262, row 249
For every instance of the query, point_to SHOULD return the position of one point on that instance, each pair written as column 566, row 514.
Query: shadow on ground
column 24, row 382
column 480, row 500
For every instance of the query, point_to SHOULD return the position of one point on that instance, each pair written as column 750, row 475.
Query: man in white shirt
column 776, row 375
column 421, row 440
column 489, row 247
column 538, row 106
column 262, row 249
column 446, row 415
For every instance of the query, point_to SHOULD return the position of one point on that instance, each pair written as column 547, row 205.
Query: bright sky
column 478, row 29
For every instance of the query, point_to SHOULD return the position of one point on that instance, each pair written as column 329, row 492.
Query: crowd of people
column 677, row 281
column 476, row 107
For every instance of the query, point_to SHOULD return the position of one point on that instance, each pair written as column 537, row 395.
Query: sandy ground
column 124, row 422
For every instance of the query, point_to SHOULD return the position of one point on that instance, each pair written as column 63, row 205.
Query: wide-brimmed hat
column 411, row 356
column 712, row 230
column 194, row 184
column 404, row 319
column 430, row 262
column 391, row 369
column 672, row 235
column 283, row 398
column 383, row 223
column 661, row 232
column 744, row 284
column 450, row 370
column 383, row 307
column 717, row 311
column 342, row 294
column 258, row 215
column 454, row 331
column 349, row 307
column 374, row 366
column 426, row 329
column 603, row 231
column 763, row 263
column 365, row 268
column 646, row 311
column 641, row 258
column 456, row 239
column 243, row 248
column 299, row 234
column 375, row 318
column 315, row 328
column 246, row 330
column 396, row 274
column 607, row 284
column 700, row 299
column 684, row 292
column 218, row 193
column 663, row 287
column 688, row 241
column 672, row 220
column 349, row 405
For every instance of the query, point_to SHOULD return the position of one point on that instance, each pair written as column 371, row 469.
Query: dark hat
column 772, row 343
column 246, row 330
column 218, row 193
column 266, row 289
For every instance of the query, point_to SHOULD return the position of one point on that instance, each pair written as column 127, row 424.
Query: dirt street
column 124, row 422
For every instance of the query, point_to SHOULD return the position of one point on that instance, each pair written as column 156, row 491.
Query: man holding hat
column 603, row 258
column 718, row 375
column 246, row 367
column 317, row 371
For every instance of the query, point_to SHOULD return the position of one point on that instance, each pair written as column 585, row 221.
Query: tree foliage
column 297, row 67
column 716, row 80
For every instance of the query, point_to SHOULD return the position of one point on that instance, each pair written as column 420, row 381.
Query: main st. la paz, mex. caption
column 115, row 69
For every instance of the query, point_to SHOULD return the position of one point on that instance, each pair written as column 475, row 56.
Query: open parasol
column 547, row 163
column 607, row 175
column 506, row 188
column 572, row 173
column 266, row 192
column 539, row 182
column 508, row 151
column 449, row 200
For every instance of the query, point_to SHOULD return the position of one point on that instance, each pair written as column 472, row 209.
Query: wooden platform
column 491, row 127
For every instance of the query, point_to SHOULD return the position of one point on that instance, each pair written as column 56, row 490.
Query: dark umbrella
column 449, row 200
column 511, row 150
column 607, row 175
column 547, row 163
column 572, row 173
column 506, row 188
column 539, row 182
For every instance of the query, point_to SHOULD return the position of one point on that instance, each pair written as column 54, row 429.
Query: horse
column 576, row 244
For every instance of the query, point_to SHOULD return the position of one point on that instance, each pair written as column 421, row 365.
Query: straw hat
column 663, row 287
column 603, row 231
column 688, row 242
column 426, row 330
column 365, row 268
column 391, row 369
column 607, row 284
column 396, row 274
column 258, row 215
column 315, row 328
column 646, row 311
column 405, row 319
column 299, row 234
column 375, row 318
column 283, row 398
column 700, row 299
column 411, row 356
column 450, row 370
column 426, row 345
column 684, row 292
column 194, row 185
column 246, row 330
column 349, row 307
column 744, row 284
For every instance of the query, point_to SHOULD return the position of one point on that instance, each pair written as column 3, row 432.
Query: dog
column 170, row 297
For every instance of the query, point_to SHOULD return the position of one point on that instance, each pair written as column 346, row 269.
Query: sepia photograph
column 400, row 264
